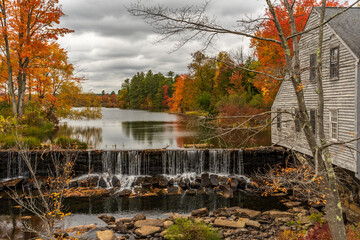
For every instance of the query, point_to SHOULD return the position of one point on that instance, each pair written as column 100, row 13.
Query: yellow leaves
column 300, row 87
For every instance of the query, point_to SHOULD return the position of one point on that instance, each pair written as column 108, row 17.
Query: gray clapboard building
column 341, row 81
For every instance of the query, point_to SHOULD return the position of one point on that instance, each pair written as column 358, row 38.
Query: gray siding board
column 339, row 94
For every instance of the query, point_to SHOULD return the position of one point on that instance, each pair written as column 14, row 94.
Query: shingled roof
column 346, row 25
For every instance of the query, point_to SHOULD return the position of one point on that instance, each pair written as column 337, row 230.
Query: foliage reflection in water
column 135, row 129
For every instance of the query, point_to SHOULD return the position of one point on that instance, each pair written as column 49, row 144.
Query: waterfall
column 172, row 162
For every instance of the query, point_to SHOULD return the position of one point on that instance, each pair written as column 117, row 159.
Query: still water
column 132, row 129
column 136, row 129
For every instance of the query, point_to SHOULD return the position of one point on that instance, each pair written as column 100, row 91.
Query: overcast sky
column 109, row 45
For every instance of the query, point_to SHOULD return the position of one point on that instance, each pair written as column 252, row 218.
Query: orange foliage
column 184, row 96
column 271, row 55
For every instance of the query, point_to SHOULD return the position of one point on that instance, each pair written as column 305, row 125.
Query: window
column 313, row 120
column 297, row 120
column 334, row 124
column 278, row 119
column 334, row 62
column 313, row 67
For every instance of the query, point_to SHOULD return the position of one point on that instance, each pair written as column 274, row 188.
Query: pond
column 136, row 129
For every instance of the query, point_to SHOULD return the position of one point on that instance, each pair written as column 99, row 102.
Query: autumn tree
column 27, row 28
column 270, row 54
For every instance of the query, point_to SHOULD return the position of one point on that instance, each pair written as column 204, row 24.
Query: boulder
column 203, row 212
column 102, row 183
column 139, row 217
column 242, row 183
column 250, row 223
column 115, row 182
column 93, row 181
column 190, row 192
column 234, row 183
column 277, row 214
column 243, row 212
column 107, row 219
column 205, row 180
column 173, row 190
column 195, row 185
column 124, row 220
column 227, row 192
column 214, row 179
column 228, row 223
column 168, row 223
column 292, row 204
column 106, row 235
column 149, row 222
column 145, row 231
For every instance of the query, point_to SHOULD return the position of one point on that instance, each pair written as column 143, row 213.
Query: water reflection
column 134, row 129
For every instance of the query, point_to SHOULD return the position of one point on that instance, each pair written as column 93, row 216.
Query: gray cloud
column 109, row 45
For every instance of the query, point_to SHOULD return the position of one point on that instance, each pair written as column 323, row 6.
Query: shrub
column 11, row 141
column 186, row 229
column 70, row 143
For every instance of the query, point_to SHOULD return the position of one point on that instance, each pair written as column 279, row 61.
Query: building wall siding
column 338, row 94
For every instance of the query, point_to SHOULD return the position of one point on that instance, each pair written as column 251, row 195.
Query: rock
column 124, row 220
column 277, row 214
column 93, row 181
column 168, row 223
column 124, row 193
column 102, row 183
column 145, row 231
column 205, row 180
column 299, row 210
column 149, row 222
column 227, row 192
column 173, row 190
column 115, row 182
column 163, row 233
column 119, row 228
column 203, row 212
column 195, row 185
column 214, row 179
column 106, row 235
column 139, row 217
column 292, row 204
column 12, row 184
column 228, row 223
column 242, row 183
column 243, row 212
column 283, row 219
column 81, row 228
column 234, row 183
column 129, row 225
column 107, row 219
column 250, row 223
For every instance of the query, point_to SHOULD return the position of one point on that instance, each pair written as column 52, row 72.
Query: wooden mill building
column 341, row 81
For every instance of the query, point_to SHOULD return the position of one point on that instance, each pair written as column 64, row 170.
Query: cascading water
column 126, row 166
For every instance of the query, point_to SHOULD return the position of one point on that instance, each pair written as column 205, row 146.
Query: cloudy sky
column 109, row 45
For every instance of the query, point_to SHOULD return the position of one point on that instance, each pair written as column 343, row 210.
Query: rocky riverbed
column 234, row 223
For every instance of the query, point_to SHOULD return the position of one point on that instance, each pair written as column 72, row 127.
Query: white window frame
column 331, row 136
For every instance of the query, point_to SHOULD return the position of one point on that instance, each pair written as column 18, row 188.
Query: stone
column 203, row 212
column 205, row 180
column 228, row 223
column 168, row 223
column 195, row 185
column 124, row 220
column 227, row 192
column 93, row 181
column 283, row 219
column 145, row 231
column 243, row 212
column 139, row 217
column 292, row 204
column 277, row 214
column 242, row 183
column 107, row 219
column 250, row 223
column 81, row 228
column 12, row 184
column 214, row 179
column 149, row 222
column 234, row 183
column 173, row 190
column 299, row 210
column 106, row 235
column 163, row 233
column 102, row 183
column 115, row 182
